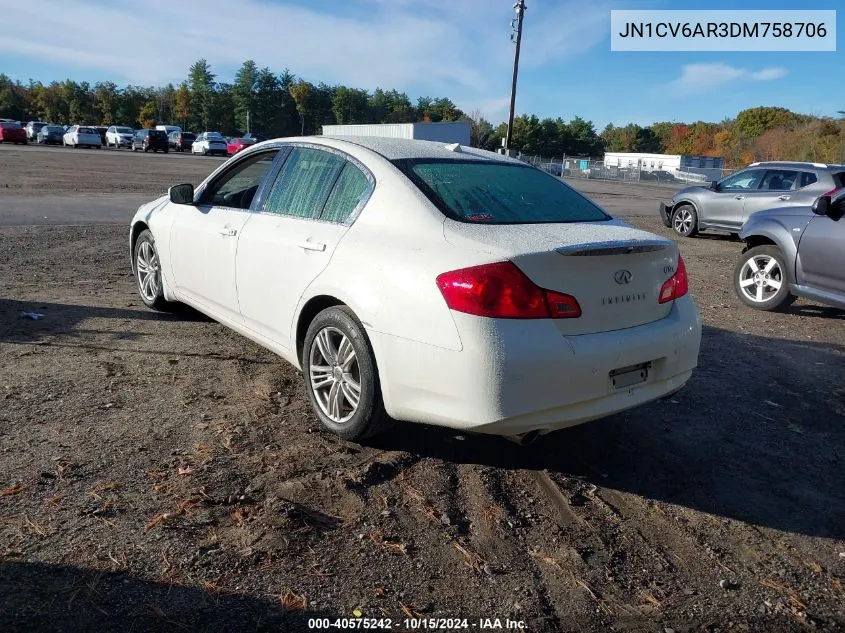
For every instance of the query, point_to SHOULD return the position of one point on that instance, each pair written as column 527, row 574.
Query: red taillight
column 831, row 193
column 676, row 286
column 502, row 291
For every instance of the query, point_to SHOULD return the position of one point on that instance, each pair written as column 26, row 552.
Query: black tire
column 685, row 220
column 369, row 418
column 778, row 300
column 166, row 150
column 152, row 299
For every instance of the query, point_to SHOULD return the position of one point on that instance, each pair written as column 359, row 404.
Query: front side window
column 742, row 181
column 304, row 183
column 237, row 187
column 499, row 193
column 778, row 180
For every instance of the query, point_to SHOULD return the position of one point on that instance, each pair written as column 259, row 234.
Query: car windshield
column 499, row 193
column 9, row 125
column 53, row 128
column 123, row 130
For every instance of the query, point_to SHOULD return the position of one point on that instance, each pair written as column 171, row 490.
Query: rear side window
column 304, row 183
column 348, row 192
column 499, row 193
column 807, row 178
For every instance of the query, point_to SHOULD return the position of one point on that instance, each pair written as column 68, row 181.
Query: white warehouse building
column 444, row 132
column 662, row 162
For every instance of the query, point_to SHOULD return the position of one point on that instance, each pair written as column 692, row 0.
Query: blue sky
column 458, row 48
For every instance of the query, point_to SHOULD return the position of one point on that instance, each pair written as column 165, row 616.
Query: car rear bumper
column 513, row 377
column 666, row 214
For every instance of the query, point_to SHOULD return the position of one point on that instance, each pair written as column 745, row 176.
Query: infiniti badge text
column 631, row 298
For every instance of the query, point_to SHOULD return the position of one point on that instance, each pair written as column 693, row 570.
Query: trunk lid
column 613, row 270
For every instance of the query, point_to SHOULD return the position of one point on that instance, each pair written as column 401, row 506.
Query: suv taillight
column 832, row 192
column 676, row 286
column 502, row 291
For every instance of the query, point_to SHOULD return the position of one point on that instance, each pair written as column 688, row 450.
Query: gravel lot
column 158, row 472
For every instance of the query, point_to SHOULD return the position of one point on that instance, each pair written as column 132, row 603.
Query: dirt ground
column 161, row 473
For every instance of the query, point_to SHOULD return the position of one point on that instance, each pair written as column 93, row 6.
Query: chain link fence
column 573, row 167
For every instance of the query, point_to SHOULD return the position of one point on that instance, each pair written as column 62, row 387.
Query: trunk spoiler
column 591, row 249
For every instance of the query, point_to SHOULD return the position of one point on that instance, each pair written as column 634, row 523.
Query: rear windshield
column 187, row 136
column 86, row 130
column 157, row 133
column 9, row 125
column 123, row 130
column 53, row 128
column 499, row 193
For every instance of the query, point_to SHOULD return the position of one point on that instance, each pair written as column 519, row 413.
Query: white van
column 169, row 128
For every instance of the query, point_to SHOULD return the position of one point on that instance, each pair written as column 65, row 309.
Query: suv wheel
column 761, row 280
column 685, row 220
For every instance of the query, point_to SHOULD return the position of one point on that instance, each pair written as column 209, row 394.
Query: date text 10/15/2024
column 415, row 624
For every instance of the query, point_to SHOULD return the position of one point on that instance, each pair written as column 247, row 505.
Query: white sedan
column 81, row 136
column 209, row 143
column 416, row 281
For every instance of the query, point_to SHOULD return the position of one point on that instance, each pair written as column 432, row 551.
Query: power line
column 516, row 24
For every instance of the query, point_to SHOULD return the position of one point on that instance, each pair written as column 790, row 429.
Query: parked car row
column 163, row 138
column 789, row 214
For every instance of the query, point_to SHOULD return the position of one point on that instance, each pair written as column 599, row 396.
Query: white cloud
column 704, row 77
column 460, row 49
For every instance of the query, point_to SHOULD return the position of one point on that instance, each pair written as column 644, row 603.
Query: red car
column 11, row 132
column 234, row 145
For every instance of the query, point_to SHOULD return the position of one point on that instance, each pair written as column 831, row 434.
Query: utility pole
column 841, row 114
column 520, row 12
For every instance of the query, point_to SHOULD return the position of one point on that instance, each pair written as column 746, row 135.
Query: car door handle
column 228, row 232
column 312, row 246
column 784, row 197
column 740, row 197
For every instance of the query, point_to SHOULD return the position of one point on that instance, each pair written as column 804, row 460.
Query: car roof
column 794, row 163
column 400, row 148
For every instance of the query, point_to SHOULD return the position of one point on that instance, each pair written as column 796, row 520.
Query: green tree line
column 282, row 104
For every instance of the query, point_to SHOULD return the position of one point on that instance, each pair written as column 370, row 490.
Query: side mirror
column 834, row 209
column 714, row 185
column 822, row 205
column 181, row 194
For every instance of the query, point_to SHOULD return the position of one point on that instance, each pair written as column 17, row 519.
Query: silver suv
column 794, row 252
column 726, row 204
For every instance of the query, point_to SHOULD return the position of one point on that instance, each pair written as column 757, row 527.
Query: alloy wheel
column 335, row 374
column 149, row 272
column 760, row 278
column 683, row 221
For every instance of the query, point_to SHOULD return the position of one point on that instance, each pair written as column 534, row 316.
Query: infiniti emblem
column 622, row 276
